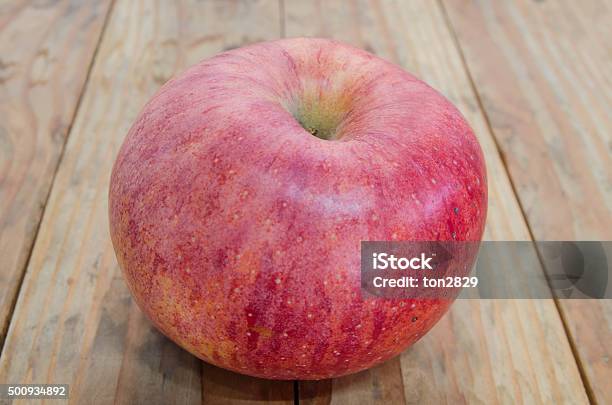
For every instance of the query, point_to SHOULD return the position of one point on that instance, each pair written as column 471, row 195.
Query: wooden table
column 532, row 78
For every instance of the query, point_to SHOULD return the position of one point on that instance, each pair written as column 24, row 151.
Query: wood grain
column 46, row 50
column 75, row 321
column 224, row 387
column 542, row 73
column 499, row 351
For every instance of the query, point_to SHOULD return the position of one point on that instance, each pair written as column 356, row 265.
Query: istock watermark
column 383, row 261
column 522, row 270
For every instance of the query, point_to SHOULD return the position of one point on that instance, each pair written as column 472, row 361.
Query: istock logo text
column 383, row 261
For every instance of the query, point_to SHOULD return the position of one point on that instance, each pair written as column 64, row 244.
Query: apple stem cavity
column 321, row 115
column 317, row 124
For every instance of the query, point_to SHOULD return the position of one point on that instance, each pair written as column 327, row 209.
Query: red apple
column 241, row 194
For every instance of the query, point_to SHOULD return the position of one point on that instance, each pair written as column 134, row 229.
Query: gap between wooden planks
column 45, row 56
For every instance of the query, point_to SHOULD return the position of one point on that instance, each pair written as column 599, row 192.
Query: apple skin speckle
column 238, row 231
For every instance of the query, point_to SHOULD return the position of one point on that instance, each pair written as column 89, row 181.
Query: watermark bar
column 489, row 269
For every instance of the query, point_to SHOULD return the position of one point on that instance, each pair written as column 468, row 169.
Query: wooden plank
column 46, row 50
column 75, row 321
column 222, row 387
column 499, row 351
column 542, row 73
